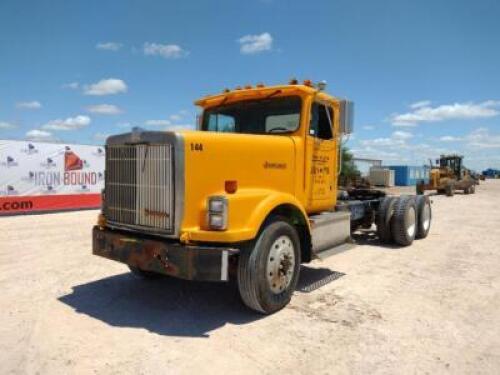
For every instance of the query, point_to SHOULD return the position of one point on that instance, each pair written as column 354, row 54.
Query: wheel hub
column 410, row 219
column 280, row 264
column 426, row 217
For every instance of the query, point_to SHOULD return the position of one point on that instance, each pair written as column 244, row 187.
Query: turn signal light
column 231, row 186
column 248, row 87
column 293, row 81
column 259, row 85
column 308, row 82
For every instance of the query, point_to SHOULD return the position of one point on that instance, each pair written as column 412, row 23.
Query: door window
column 321, row 121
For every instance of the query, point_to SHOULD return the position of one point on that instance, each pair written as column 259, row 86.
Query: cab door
column 322, row 151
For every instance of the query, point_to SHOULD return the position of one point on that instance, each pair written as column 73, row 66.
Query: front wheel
column 268, row 268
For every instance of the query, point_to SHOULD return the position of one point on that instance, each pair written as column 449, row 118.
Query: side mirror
column 346, row 117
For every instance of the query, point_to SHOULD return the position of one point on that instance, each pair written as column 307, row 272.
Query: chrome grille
column 139, row 186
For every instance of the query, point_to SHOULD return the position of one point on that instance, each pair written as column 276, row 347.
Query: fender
column 248, row 209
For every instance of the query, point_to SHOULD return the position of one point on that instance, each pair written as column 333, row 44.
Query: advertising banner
column 36, row 176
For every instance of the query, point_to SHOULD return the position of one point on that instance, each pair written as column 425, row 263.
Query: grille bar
column 139, row 186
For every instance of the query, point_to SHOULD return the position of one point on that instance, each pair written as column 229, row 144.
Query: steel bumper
column 203, row 263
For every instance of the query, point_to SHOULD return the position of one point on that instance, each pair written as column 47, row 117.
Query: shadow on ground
column 173, row 307
column 369, row 237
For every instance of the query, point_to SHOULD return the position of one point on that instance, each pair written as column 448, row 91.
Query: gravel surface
column 433, row 307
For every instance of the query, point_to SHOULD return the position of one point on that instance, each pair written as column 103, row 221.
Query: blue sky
column 424, row 74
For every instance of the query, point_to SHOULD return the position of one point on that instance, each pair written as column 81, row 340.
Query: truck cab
column 252, row 192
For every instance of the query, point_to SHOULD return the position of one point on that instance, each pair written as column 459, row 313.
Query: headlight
column 216, row 205
column 217, row 213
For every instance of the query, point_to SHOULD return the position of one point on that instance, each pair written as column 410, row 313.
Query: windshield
column 263, row 116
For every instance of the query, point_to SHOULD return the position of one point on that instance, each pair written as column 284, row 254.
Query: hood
column 254, row 161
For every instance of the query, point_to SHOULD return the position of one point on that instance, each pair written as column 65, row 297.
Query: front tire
column 268, row 268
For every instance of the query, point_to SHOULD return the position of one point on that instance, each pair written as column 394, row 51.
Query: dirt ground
column 431, row 308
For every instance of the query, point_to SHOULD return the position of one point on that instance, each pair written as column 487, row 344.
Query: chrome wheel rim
column 426, row 217
column 280, row 264
column 410, row 219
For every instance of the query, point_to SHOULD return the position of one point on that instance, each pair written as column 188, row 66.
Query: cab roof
column 261, row 92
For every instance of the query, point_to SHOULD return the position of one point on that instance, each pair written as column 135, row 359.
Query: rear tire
column 467, row 190
column 424, row 216
column 472, row 189
column 404, row 221
column 383, row 219
column 268, row 268
column 144, row 275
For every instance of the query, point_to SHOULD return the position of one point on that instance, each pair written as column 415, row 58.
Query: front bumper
column 202, row 263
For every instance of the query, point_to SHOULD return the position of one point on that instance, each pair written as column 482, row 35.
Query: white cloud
column 251, row 44
column 426, row 113
column 420, row 104
column 109, row 86
column 175, row 117
column 39, row 135
column 29, row 105
column 7, row 125
column 71, row 85
column 483, row 138
column 402, row 135
column 109, row 46
column 104, row 109
column 167, row 51
column 368, row 127
column 157, row 123
column 70, row 123
column 383, row 142
column 450, row 138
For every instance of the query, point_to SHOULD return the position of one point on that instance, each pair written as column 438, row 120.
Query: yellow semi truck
column 250, row 195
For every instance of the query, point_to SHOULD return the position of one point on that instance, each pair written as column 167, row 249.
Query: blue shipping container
column 408, row 175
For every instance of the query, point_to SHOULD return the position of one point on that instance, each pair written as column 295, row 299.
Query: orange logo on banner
column 72, row 161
